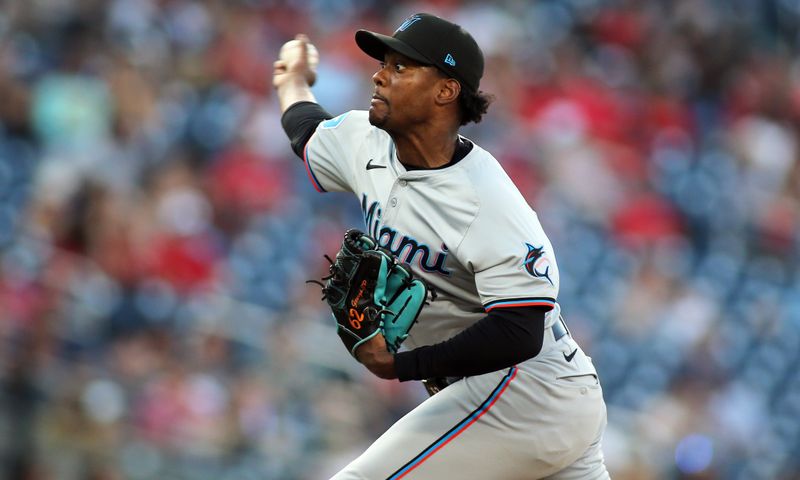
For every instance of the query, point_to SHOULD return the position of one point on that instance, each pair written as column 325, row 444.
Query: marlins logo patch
column 536, row 264
column 408, row 22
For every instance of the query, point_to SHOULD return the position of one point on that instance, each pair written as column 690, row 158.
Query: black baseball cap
column 430, row 40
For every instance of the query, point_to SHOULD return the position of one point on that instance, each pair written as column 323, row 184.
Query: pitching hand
column 298, row 58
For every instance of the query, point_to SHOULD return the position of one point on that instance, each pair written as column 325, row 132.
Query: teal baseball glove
column 370, row 291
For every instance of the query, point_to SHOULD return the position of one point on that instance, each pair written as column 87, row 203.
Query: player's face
column 403, row 93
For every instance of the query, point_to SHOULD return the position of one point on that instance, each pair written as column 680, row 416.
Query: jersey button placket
column 393, row 201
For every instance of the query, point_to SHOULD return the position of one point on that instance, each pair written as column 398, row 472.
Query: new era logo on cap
column 450, row 60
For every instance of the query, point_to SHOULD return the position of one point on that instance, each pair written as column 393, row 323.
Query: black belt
column 437, row 384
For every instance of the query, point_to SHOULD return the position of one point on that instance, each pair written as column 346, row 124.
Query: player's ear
column 448, row 90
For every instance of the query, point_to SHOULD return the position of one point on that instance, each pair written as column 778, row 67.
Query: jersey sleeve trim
column 317, row 186
column 548, row 302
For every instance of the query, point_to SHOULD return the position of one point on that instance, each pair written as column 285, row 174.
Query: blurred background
column 156, row 230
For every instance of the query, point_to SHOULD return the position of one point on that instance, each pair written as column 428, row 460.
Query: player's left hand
column 374, row 355
column 375, row 301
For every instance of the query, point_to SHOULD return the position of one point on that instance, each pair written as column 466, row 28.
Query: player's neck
column 424, row 150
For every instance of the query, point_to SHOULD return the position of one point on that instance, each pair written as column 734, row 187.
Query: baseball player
column 513, row 396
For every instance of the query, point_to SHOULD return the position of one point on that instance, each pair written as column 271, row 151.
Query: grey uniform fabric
column 468, row 231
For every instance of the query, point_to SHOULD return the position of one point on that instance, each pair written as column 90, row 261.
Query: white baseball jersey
column 465, row 228
column 468, row 231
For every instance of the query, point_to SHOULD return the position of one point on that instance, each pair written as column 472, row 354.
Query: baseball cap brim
column 375, row 45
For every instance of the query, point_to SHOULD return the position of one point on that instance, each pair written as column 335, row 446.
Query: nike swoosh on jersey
column 569, row 357
column 370, row 165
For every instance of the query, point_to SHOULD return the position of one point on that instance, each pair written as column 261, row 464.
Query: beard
column 379, row 116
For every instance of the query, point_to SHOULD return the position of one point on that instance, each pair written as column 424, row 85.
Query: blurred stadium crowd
column 156, row 230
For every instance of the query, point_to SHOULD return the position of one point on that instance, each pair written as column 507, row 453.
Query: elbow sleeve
column 300, row 120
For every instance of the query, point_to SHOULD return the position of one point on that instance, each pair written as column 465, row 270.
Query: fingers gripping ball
column 369, row 292
column 299, row 55
column 292, row 51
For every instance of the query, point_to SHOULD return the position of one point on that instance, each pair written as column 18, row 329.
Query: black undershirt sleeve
column 300, row 120
column 503, row 338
